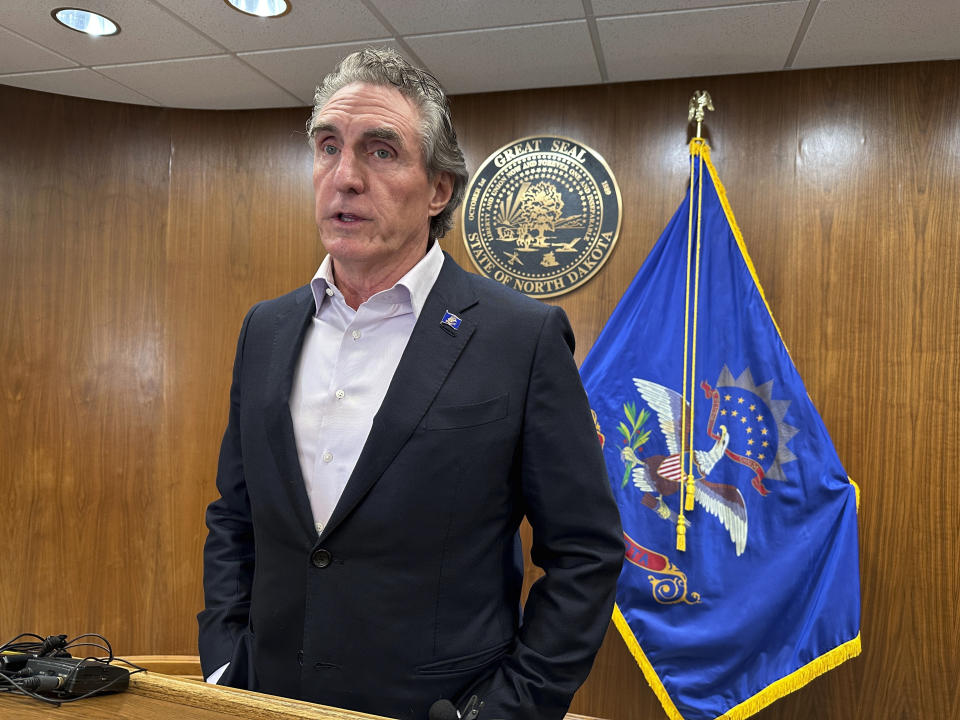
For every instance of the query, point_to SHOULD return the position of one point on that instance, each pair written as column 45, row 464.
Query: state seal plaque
column 542, row 215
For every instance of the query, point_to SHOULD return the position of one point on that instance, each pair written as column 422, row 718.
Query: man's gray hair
column 438, row 139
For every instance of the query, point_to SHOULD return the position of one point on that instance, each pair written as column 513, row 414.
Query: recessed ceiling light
column 261, row 8
column 85, row 21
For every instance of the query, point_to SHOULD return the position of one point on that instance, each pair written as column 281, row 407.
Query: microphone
column 443, row 709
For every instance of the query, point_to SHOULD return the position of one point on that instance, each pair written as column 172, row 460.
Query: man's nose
column 348, row 175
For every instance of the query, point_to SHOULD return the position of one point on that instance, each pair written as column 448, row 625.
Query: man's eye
column 382, row 154
column 330, row 149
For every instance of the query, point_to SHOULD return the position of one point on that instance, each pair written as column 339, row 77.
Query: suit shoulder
column 506, row 297
column 282, row 303
column 294, row 297
column 515, row 315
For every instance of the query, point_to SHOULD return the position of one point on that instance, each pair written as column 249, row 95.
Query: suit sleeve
column 228, row 554
column 577, row 541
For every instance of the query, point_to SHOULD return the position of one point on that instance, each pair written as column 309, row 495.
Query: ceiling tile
column 860, row 32
column 300, row 70
column 309, row 22
column 550, row 55
column 147, row 32
column 429, row 16
column 79, row 82
column 632, row 7
column 700, row 42
column 18, row 54
column 472, row 45
column 213, row 83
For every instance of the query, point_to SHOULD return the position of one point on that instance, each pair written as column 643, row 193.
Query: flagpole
column 699, row 103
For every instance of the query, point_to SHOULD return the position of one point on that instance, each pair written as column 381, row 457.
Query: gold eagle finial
column 699, row 103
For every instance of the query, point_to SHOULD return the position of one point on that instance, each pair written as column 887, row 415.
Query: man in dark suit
column 390, row 425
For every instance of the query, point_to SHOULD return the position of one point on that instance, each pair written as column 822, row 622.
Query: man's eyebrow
column 385, row 133
column 324, row 127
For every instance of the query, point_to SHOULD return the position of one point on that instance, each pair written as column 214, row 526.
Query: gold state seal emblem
column 542, row 215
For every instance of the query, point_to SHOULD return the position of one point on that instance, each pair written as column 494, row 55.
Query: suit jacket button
column 321, row 558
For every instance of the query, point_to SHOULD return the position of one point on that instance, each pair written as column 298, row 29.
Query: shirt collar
column 418, row 282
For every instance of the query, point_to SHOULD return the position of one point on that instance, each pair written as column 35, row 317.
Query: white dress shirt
column 346, row 364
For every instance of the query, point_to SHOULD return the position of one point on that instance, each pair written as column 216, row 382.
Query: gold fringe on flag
column 648, row 672
column 794, row 681
column 752, row 705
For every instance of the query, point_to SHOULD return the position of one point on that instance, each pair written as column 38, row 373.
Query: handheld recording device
column 66, row 677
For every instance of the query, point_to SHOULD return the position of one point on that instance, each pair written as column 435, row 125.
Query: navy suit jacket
column 412, row 591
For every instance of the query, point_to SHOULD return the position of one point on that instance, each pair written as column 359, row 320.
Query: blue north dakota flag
column 741, row 579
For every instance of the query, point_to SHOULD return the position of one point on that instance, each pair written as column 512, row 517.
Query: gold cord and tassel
column 684, row 423
column 691, row 487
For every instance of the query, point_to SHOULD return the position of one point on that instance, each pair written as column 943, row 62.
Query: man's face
column 373, row 197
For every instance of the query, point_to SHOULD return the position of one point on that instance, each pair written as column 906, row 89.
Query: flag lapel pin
column 450, row 322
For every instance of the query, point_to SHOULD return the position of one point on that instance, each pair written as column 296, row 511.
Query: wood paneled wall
column 133, row 239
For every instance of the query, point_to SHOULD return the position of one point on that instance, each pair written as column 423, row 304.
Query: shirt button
column 356, row 334
column 340, row 394
column 327, row 457
column 329, row 292
column 321, row 558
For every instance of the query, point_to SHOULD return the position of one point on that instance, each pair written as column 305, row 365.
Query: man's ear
column 442, row 191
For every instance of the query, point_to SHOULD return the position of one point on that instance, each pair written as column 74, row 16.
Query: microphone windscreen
column 443, row 710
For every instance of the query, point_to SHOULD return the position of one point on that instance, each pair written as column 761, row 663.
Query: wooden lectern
column 155, row 696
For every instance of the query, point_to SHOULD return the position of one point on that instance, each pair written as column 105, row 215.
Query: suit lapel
column 290, row 326
column 424, row 366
